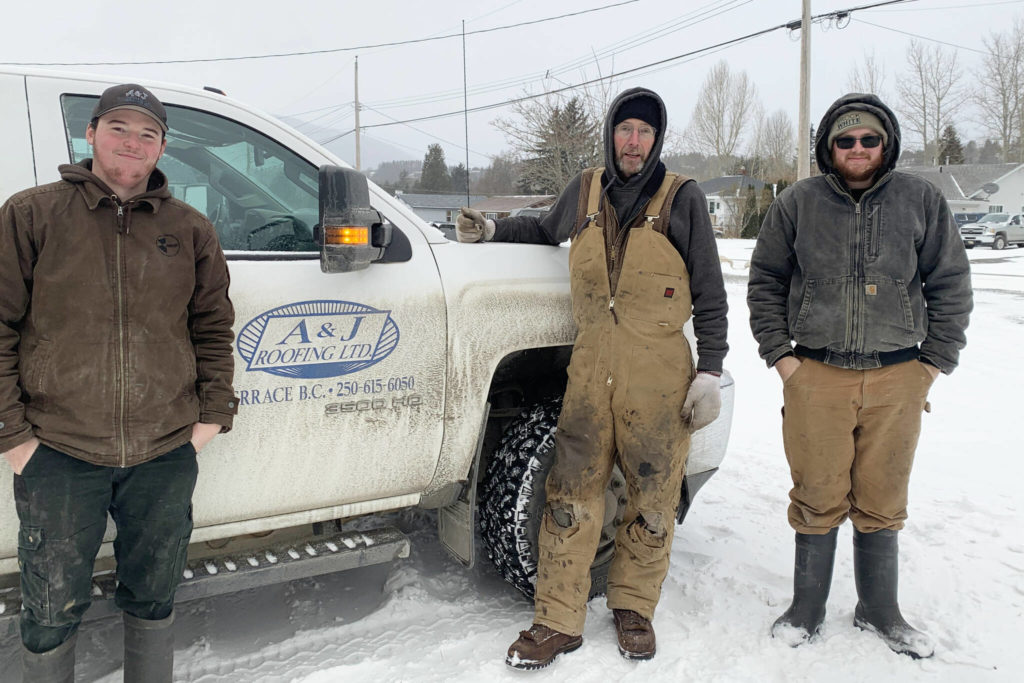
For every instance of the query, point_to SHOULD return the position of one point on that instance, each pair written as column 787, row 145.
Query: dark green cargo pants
column 63, row 504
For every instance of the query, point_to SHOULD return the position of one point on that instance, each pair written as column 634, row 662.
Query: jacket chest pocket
column 874, row 231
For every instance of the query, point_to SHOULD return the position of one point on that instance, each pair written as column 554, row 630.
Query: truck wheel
column 999, row 242
column 513, row 498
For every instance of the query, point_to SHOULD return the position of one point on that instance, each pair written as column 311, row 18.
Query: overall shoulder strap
column 659, row 210
column 589, row 201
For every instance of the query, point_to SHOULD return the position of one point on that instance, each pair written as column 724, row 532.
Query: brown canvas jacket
column 115, row 321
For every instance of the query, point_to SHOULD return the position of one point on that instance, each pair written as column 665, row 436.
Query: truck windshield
column 259, row 195
column 994, row 218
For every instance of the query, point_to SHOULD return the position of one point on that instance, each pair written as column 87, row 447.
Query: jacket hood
column 857, row 101
column 654, row 159
column 95, row 189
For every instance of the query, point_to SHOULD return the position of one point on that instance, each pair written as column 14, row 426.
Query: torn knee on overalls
column 562, row 519
column 649, row 529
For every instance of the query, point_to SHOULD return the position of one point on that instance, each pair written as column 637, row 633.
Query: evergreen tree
column 435, row 176
column 991, row 153
column 459, row 178
column 501, row 177
column 755, row 208
column 555, row 142
column 951, row 151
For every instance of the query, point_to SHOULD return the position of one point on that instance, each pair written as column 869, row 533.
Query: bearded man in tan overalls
column 643, row 259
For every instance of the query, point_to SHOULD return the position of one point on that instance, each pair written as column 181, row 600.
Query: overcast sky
column 426, row 78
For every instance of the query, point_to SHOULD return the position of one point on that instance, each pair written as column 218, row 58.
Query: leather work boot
column 539, row 646
column 876, row 572
column 635, row 634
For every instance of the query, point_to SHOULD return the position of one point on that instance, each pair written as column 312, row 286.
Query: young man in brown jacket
column 115, row 370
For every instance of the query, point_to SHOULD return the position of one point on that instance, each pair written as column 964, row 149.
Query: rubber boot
column 54, row 666
column 876, row 571
column 812, row 578
column 148, row 649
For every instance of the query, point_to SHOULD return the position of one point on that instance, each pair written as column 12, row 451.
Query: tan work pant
column 850, row 437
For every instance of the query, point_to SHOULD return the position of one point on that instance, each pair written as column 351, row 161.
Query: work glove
column 471, row 226
column 703, row 401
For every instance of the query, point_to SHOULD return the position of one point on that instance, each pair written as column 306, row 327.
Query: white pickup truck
column 996, row 230
column 371, row 378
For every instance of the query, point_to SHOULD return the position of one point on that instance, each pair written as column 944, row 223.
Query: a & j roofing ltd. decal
column 316, row 339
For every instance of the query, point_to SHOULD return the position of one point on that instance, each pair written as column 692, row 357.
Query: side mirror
column 351, row 233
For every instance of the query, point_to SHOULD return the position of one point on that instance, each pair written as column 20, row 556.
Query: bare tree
column 724, row 106
column 867, row 77
column 776, row 146
column 998, row 93
column 930, row 94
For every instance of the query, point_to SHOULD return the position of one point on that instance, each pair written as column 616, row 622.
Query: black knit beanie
column 642, row 107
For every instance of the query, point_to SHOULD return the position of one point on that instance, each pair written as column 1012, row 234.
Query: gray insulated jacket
column 689, row 230
column 859, row 278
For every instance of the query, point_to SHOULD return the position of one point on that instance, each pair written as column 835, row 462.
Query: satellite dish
column 990, row 188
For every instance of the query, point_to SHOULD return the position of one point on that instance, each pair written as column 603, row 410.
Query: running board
column 302, row 558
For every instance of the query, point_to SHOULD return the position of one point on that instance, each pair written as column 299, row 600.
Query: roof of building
column 730, row 184
column 502, row 203
column 437, row 201
column 961, row 181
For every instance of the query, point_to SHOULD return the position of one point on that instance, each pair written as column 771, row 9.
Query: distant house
column 726, row 196
column 977, row 188
column 502, row 206
column 437, row 208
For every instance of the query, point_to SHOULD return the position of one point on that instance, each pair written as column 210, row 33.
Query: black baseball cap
column 131, row 96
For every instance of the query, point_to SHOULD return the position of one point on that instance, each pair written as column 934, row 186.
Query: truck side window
column 259, row 195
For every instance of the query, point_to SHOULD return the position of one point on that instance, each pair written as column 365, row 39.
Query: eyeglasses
column 867, row 142
column 626, row 130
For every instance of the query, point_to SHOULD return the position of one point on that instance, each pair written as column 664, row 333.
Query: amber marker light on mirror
column 347, row 235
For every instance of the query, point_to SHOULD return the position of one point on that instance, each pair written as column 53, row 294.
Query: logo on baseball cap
column 131, row 96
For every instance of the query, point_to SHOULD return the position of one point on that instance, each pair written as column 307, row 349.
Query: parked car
column 996, row 230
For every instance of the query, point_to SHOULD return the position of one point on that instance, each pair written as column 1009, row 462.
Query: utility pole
column 358, row 161
column 803, row 168
column 465, row 106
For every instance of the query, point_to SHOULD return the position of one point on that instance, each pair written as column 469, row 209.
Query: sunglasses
column 867, row 142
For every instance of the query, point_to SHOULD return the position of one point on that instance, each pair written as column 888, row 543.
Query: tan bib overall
column 630, row 370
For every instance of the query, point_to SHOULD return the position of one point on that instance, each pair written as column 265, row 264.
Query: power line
column 917, row 35
column 945, row 7
column 429, row 135
column 556, row 91
column 328, row 50
column 687, row 20
column 638, row 40
column 837, row 14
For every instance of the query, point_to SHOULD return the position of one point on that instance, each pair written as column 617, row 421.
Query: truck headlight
column 990, row 231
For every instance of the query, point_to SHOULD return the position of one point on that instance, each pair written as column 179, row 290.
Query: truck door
column 341, row 376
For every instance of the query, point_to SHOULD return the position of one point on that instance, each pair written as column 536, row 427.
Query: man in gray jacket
column 862, row 267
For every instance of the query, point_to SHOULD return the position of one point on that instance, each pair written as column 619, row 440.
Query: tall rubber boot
column 876, row 571
column 53, row 666
column 148, row 649
column 812, row 578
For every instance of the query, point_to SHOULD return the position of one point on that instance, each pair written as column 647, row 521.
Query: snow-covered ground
column 429, row 619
